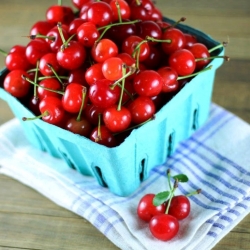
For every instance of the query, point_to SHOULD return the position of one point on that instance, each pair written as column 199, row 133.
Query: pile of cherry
column 164, row 210
column 104, row 69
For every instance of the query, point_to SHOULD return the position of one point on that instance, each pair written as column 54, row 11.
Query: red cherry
column 148, row 83
column 92, row 113
column 41, row 27
column 15, row 84
column 103, row 136
column 36, row 49
column 46, row 69
column 73, row 98
column 142, row 108
column 164, row 227
column 112, row 68
column 169, row 76
column 49, row 87
column 74, row 25
column 146, row 209
column 102, row 95
column 117, row 120
column 52, row 110
column 124, row 10
column 94, row 73
column 79, row 3
column 59, row 14
column 179, row 207
column 105, row 49
column 71, row 57
column 176, row 39
column 182, row 61
column 99, row 13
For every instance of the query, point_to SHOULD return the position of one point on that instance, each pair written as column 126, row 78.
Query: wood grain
column 30, row 221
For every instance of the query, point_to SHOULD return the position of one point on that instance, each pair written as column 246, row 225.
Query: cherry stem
column 127, row 92
column 59, row 2
column 119, row 11
column 52, row 90
column 223, row 44
column 194, row 74
column 4, row 53
column 169, row 177
column 84, row 90
column 66, row 44
column 99, row 134
column 138, row 2
column 59, row 26
column 36, row 77
column 122, row 88
column 54, row 72
column 198, row 191
column 135, row 126
column 130, row 72
column 107, row 27
column 152, row 39
column 182, row 19
column 45, row 113
column 171, row 195
column 48, row 77
column 227, row 58
column 32, row 37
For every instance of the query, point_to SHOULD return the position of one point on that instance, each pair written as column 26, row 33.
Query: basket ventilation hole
column 68, row 161
column 170, row 144
column 142, row 167
column 195, row 120
column 100, row 177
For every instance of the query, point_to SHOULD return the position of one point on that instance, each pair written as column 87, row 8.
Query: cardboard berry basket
column 122, row 169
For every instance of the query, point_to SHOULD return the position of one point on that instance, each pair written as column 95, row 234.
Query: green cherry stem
column 45, row 113
column 119, row 11
column 52, row 90
column 198, row 191
column 4, row 53
column 99, row 134
column 152, row 39
column 194, row 74
column 36, row 78
column 84, row 91
column 54, row 72
column 171, row 195
column 226, row 58
column 122, row 87
column 169, row 177
column 59, row 2
column 32, row 37
column 223, row 44
column 182, row 19
column 47, row 77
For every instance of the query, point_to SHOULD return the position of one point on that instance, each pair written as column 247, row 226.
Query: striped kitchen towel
column 216, row 159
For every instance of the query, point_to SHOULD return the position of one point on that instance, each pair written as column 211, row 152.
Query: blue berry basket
column 122, row 169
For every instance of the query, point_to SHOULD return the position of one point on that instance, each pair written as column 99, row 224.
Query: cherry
column 120, row 10
column 71, row 56
column 148, row 83
column 41, row 28
column 77, row 76
column 94, row 73
column 142, row 108
column 154, row 58
column 170, row 79
column 99, row 13
column 52, row 110
column 15, row 84
column 59, row 14
column 179, row 207
column 72, row 99
column 115, row 119
column 164, row 226
column 74, row 25
column 92, row 113
column 49, row 87
column 200, row 50
column 79, row 3
column 141, row 9
column 47, row 62
column 16, row 58
column 112, row 68
column 54, row 38
column 87, row 34
column 36, row 49
column 190, row 40
column 103, row 50
column 103, row 136
column 146, row 210
column 103, row 95
column 84, row 10
column 176, row 40
column 183, row 62
column 135, row 45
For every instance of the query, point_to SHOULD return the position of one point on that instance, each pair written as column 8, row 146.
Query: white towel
column 216, row 159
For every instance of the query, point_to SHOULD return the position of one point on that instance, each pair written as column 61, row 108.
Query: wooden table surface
column 30, row 221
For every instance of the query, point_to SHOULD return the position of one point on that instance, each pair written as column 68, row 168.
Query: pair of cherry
column 164, row 210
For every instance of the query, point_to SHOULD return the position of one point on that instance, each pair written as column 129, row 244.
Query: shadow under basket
column 122, row 169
